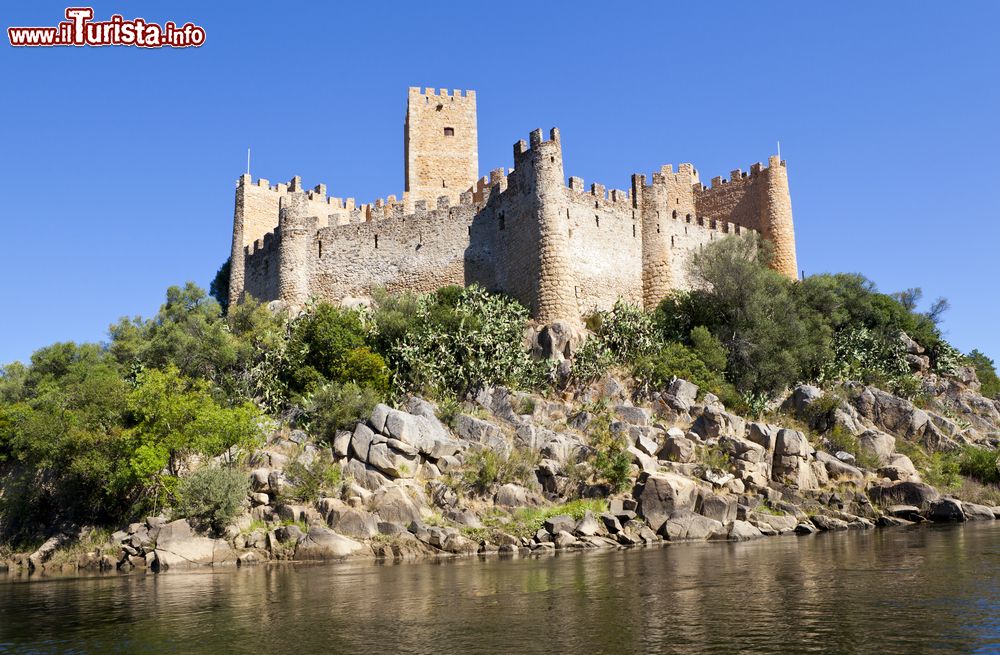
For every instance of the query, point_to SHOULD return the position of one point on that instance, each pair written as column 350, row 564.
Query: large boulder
column 839, row 471
column 714, row 422
column 397, row 504
column 685, row 525
column 324, row 544
column 678, row 449
column 511, row 495
column 945, row 510
column 879, row 444
column 392, row 462
column 975, row 512
column 178, row 546
column 779, row 523
column 661, row 494
column 365, row 475
column 353, row 522
column 802, row 397
column 721, row 508
column 743, row 531
column 899, row 467
column 913, row 493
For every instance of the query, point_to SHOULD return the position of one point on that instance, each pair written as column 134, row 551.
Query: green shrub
column 714, row 458
column 486, row 470
column 983, row 464
column 942, row 470
column 591, row 361
column 336, row 406
column 321, row 341
column 626, row 331
column 311, row 479
column 676, row 360
column 457, row 340
column 365, row 369
column 611, row 461
column 213, row 496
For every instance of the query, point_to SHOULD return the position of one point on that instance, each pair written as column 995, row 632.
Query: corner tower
column 441, row 144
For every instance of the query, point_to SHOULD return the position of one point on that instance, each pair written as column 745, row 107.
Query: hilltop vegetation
column 101, row 434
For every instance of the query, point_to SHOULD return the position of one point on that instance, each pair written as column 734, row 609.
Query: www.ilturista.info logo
column 79, row 29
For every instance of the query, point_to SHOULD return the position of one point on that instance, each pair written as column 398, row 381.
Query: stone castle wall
column 560, row 249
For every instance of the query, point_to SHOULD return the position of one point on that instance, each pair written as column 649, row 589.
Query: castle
column 560, row 249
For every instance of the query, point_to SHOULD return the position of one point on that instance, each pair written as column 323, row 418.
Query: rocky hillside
column 518, row 473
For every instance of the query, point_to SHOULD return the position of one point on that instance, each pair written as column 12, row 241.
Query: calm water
column 891, row 591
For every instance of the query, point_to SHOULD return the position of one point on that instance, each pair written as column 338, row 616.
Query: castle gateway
column 560, row 249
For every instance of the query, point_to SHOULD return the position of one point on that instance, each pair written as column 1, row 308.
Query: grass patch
column 525, row 521
column 982, row 464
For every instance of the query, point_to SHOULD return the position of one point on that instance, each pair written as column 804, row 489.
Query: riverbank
column 517, row 474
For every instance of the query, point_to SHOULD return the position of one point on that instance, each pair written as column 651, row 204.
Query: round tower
column 556, row 296
column 777, row 224
column 652, row 202
column 296, row 229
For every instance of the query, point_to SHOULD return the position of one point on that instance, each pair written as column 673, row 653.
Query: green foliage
column 456, row 340
column 772, row 341
column 985, row 370
column 366, row 369
column 448, row 410
column 611, row 461
column 219, row 288
column 188, row 332
column 714, row 458
column 86, row 444
column 336, row 406
column 982, row 464
column 323, row 340
column 526, row 521
column 862, row 355
column 486, row 470
column 626, row 331
column 213, row 496
column 311, row 478
column 592, row 360
column 677, row 360
column 258, row 373
column 941, row 470
column 173, row 417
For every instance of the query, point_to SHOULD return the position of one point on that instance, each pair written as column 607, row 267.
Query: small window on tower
column 449, row 131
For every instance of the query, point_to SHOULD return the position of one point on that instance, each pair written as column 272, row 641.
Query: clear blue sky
column 118, row 165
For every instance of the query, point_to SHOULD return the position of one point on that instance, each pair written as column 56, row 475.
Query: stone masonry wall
column 559, row 249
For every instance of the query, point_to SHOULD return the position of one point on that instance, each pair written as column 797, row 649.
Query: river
column 903, row 590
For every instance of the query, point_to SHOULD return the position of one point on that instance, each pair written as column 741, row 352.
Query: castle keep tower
column 441, row 144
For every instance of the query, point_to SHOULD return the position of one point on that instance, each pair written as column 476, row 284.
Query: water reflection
column 890, row 591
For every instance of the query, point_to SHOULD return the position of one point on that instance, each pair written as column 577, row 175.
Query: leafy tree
column 320, row 343
column 986, row 372
column 772, row 340
column 219, row 288
column 188, row 332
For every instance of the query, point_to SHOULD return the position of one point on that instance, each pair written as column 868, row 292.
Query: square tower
column 441, row 144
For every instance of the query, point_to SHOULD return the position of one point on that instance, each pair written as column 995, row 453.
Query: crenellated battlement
column 430, row 94
column 558, row 245
column 737, row 175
